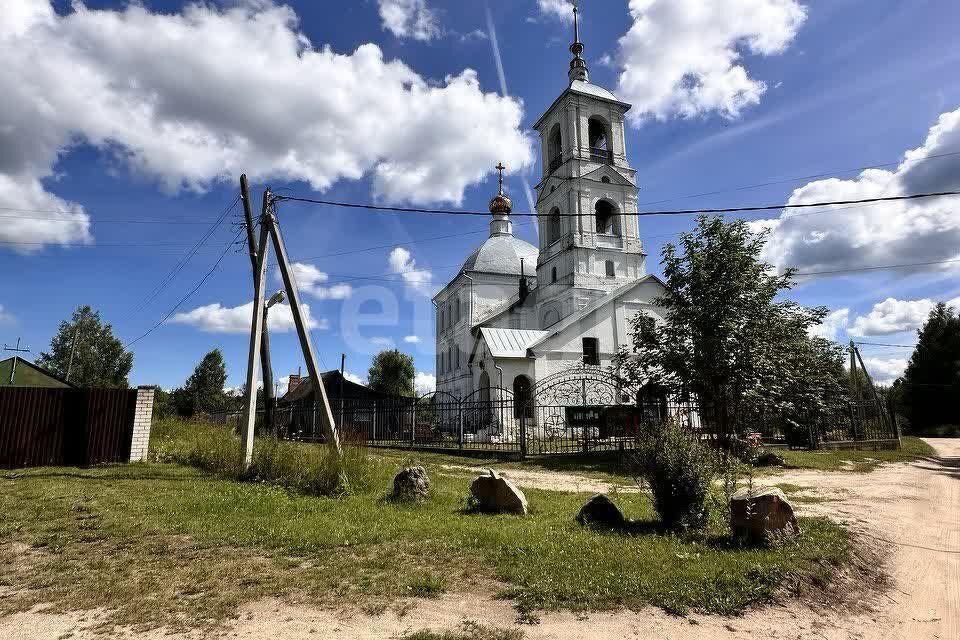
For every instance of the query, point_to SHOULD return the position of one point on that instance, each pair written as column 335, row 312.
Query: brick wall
column 142, row 419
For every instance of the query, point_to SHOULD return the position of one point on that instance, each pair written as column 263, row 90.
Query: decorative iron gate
column 585, row 408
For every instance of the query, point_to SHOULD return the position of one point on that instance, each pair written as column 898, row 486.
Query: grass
column 857, row 460
column 165, row 544
column 468, row 631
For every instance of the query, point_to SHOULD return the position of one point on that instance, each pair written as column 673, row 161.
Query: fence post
column 523, row 432
column 460, row 423
column 853, row 422
column 413, row 425
column 374, row 420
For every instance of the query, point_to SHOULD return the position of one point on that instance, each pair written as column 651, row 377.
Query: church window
column 457, row 358
column 522, row 407
column 554, row 149
column 443, row 319
column 553, row 226
column 599, row 141
column 605, row 179
column 591, row 351
column 450, row 359
column 550, row 317
column 605, row 216
column 610, row 269
column 553, row 274
column 553, row 188
column 458, row 311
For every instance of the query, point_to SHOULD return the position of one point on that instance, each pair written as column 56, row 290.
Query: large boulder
column 758, row 515
column 600, row 511
column 495, row 494
column 411, row 483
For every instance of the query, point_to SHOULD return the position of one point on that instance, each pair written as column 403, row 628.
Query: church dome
column 502, row 255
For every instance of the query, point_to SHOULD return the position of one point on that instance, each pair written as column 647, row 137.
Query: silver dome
column 502, row 254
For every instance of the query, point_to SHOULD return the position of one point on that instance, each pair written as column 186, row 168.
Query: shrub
column 679, row 470
column 305, row 468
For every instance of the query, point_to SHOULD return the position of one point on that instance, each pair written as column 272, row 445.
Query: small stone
column 601, row 511
column 761, row 514
column 412, row 483
column 496, row 494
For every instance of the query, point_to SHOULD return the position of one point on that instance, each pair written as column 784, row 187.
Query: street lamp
column 276, row 298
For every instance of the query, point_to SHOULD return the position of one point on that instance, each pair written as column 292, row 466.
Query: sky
column 125, row 127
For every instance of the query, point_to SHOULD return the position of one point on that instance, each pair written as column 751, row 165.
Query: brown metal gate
column 42, row 426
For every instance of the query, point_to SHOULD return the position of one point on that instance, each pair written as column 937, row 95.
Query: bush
column 304, row 468
column 680, row 472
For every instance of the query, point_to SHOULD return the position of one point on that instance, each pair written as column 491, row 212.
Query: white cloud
column 424, row 383
column 885, row 370
column 215, row 318
column 352, row 377
column 894, row 316
column 561, row 9
column 401, row 262
column 831, row 325
column 134, row 84
column 683, row 57
column 7, row 318
column 382, row 341
column 409, row 19
column 309, row 280
column 411, row 339
column 476, row 34
column 925, row 230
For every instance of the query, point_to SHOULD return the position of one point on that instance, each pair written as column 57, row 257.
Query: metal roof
column 501, row 254
column 510, row 343
column 579, row 86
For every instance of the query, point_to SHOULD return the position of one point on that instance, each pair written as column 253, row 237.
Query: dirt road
column 912, row 510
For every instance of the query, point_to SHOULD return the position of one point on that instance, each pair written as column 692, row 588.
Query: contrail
column 492, row 33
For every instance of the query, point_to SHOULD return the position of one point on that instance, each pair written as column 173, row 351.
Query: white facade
column 578, row 290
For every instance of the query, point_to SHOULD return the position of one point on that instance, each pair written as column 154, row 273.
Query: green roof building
column 27, row 374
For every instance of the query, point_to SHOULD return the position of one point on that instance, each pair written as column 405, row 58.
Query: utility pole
column 16, row 350
column 269, row 228
column 343, row 364
column 854, row 378
column 73, row 350
column 269, row 395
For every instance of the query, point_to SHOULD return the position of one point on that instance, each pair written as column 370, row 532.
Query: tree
column 727, row 340
column 392, row 372
column 930, row 387
column 203, row 391
column 99, row 359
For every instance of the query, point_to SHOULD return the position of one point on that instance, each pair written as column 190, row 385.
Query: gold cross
column 500, row 169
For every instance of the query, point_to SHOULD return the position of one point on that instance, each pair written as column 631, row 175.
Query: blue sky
column 137, row 123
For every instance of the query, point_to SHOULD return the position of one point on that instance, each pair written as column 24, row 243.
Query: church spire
column 500, row 207
column 578, row 66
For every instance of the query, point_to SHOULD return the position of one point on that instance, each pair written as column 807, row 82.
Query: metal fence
column 577, row 411
column 52, row 426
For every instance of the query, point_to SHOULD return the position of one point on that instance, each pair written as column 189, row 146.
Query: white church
column 515, row 314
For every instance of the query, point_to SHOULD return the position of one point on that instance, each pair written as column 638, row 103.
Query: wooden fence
column 42, row 426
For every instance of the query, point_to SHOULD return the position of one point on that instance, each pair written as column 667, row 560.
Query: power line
column 179, row 266
column 875, row 268
column 187, row 296
column 882, row 344
column 107, row 220
column 665, row 212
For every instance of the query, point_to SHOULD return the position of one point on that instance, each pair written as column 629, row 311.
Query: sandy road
column 911, row 510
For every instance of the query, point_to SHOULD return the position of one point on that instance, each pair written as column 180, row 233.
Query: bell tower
column 586, row 199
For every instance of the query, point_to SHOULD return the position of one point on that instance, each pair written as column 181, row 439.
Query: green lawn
column 162, row 544
column 857, row 460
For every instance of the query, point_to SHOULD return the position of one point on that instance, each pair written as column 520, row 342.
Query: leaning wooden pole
column 265, row 366
column 253, row 356
column 303, row 332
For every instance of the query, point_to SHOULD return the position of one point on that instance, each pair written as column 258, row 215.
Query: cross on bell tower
column 578, row 66
column 500, row 208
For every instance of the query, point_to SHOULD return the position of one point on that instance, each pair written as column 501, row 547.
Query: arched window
column 553, row 274
column 553, row 226
column 611, row 272
column 550, row 317
column 599, row 140
column 485, row 387
column 605, row 216
column 605, row 179
column 522, row 407
column 554, row 149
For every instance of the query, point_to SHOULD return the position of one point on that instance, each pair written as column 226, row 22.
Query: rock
column 496, row 494
column 601, row 511
column 411, row 483
column 759, row 515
